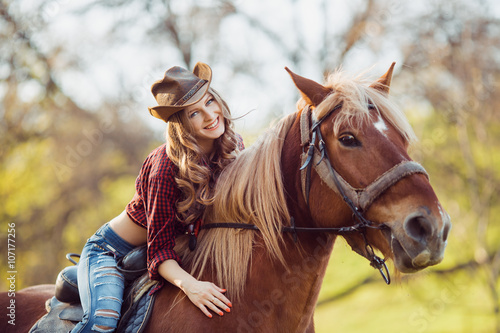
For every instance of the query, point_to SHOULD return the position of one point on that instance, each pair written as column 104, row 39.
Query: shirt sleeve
column 162, row 221
column 135, row 210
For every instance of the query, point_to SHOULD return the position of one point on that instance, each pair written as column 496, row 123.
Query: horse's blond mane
column 250, row 190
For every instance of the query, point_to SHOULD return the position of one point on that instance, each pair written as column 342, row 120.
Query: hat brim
column 164, row 112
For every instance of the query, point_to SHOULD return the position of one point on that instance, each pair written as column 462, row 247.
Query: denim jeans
column 100, row 284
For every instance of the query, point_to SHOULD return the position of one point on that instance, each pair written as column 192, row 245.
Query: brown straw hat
column 179, row 89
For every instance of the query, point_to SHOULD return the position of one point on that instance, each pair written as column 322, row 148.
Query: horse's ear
column 312, row 92
column 384, row 82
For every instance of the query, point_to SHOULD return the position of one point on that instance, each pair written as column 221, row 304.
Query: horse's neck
column 290, row 292
column 307, row 270
column 307, row 258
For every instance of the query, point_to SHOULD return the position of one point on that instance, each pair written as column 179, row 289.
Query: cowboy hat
column 179, row 89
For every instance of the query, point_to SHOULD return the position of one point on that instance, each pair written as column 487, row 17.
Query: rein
column 358, row 200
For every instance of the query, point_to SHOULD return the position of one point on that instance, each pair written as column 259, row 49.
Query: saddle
column 64, row 310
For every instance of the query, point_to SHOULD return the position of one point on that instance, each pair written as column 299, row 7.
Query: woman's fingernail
column 228, row 310
column 210, row 315
column 230, row 304
column 221, row 313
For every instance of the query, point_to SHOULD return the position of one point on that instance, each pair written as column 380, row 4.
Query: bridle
column 358, row 200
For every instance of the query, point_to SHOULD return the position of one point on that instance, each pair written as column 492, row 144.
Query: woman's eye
column 193, row 114
column 349, row 140
column 209, row 101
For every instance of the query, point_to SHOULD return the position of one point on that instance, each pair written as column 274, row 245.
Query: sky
column 109, row 67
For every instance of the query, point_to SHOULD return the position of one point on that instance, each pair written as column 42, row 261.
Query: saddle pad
column 136, row 317
column 51, row 322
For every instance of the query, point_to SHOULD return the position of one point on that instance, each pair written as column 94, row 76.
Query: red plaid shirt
column 153, row 207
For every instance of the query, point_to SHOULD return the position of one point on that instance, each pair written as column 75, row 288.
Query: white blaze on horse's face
column 381, row 126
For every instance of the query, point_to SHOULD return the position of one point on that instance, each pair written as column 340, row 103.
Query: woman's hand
column 206, row 295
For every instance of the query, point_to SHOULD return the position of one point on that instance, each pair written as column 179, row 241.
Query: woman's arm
column 154, row 206
column 203, row 294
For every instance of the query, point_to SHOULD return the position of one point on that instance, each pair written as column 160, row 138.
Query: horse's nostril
column 418, row 228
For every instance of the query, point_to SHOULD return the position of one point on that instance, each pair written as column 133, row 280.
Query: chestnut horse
column 338, row 166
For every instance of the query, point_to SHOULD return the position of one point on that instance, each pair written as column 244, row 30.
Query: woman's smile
column 213, row 125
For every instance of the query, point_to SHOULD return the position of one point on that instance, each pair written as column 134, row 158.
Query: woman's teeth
column 212, row 125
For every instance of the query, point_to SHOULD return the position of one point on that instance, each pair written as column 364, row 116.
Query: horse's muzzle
column 421, row 241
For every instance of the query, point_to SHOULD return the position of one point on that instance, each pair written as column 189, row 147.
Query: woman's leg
column 100, row 284
column 101, row 293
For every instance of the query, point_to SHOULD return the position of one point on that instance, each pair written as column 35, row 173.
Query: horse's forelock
column 353, row 93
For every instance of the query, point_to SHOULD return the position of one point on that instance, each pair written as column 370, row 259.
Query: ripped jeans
column 100, row 284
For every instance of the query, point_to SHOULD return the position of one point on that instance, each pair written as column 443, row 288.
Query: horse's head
column 367, row 139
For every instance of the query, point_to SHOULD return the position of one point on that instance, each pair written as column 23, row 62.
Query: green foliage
column 54, row 216
column 23, row 179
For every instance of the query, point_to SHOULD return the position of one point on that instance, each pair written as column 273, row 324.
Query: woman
column 173, row 187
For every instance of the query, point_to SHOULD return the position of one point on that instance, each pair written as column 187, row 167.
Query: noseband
column 358, row 200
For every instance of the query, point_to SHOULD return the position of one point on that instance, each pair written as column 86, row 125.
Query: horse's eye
column 349, row 140
column 371, row 106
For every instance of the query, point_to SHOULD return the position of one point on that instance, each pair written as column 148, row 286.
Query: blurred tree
column 62, row 167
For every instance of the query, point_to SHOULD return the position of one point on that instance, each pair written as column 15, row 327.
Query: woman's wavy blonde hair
column 198, row 172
